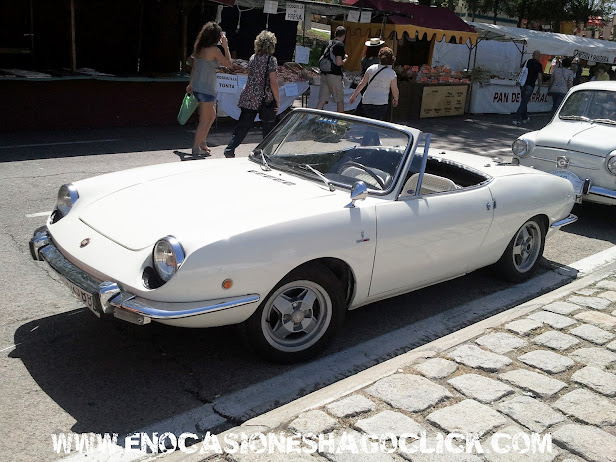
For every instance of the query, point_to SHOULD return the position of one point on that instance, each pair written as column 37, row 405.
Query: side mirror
column 359, row 192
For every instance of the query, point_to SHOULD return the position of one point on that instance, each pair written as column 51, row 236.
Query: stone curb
column 276, row 417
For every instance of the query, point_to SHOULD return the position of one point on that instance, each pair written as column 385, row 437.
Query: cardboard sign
column 366, row 16
column 241, row 82
column 302, row 54
column 270, row 7
column 227, row 83
column 290, row 89
column 295, row 12
column 439, row 101
column 353, row 16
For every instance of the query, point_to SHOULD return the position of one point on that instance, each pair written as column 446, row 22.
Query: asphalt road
column 63, row 370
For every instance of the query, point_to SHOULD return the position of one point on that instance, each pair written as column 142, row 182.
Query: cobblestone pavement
column 551, row 371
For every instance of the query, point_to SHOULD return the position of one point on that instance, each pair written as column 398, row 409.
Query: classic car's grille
column 582, row 164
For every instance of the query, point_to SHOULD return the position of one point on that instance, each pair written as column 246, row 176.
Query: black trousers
column 243, row 126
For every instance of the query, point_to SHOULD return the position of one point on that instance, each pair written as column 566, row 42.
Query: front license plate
column 88, row 299
column 576, row 181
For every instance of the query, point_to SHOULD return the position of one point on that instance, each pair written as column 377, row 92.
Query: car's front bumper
column 106, row 297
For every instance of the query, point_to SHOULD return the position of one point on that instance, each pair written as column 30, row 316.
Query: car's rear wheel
column 520, row 259
column 299, row 316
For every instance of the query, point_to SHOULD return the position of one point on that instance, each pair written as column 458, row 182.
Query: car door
column 429, row 238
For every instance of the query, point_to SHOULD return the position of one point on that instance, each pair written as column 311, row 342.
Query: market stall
column 498, row 56
column 411, row 31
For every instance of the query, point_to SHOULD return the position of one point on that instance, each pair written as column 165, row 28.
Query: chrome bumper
column 564, row 222
column 108, row 298
column 603, row 192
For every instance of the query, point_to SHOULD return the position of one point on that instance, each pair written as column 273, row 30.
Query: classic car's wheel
column 523, row 252
column 349, row 166
column 298, row 316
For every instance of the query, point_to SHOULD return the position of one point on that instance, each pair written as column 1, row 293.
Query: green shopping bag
column 187, row 108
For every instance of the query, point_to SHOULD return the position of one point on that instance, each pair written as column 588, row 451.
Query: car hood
column 200, row 205
column 597, row 139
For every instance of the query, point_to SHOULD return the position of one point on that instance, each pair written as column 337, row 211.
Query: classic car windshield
column 595, row 105
column 343, row 150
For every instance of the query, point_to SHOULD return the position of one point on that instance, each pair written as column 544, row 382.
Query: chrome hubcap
column 526, row 247
column 296, row 316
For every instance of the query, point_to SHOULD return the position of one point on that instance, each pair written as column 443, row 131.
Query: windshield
column 343, row 151
column 594, row 105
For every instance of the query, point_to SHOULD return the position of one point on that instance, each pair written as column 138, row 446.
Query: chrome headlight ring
column 168, row 256
column 520, row 147
column 67, row 196
column 610, row 163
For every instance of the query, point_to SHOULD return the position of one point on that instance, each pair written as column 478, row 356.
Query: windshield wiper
column 265, row 166
column 329, row 184
column 574, row 117
column 605, row 121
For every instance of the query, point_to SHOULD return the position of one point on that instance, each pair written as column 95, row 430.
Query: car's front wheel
column 520, row 259
column 298, row 316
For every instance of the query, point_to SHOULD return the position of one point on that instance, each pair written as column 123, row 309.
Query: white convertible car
column 329, row 213
column 579, row 144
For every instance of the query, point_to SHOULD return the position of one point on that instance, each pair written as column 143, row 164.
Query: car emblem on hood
column 562, row 162
column 85, row 242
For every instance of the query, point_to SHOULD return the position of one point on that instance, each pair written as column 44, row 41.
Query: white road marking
column 39, row 214
column 8, row 348
column 57, row 144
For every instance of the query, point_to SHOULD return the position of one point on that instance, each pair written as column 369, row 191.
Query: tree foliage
column 546, row 11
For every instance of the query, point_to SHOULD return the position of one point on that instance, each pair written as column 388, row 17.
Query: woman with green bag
column 203, row 86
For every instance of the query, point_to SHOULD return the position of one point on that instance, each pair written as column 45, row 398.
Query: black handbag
column 359, row 110
column 267, row 113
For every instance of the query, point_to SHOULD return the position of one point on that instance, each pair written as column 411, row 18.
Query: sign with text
column 270, row 7
column 353, row 16
column 302, row 54
column 295, row 12
column 443, row 100
column 227, row 83
column 499, row 99
column 366, row 16
column 290, row 89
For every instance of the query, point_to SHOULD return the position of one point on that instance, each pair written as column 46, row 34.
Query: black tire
column 521, row 258
column 300, row 332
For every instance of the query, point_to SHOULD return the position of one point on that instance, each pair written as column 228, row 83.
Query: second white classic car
column 330, row 212
column 579, row 144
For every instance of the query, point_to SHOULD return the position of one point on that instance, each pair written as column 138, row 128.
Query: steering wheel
column 348, row 164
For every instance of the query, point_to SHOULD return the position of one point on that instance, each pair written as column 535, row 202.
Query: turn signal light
column 227, row 283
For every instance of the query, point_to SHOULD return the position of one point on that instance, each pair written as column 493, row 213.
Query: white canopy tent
column 548, row 43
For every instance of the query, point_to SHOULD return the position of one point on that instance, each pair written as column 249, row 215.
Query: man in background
column 331, row 82
column 535, row 73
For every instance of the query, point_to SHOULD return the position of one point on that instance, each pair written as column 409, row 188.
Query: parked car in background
column 579, row 144
column 330, row 212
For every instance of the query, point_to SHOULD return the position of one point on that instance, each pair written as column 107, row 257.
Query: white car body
column 239, row 223
column 579, row 149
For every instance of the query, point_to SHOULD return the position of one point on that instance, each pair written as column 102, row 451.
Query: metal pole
column 73, row 47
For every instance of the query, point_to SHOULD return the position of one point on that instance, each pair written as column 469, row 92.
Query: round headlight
column 67, row 196
column 520, row 147
column 611, row 164
column 168, row 256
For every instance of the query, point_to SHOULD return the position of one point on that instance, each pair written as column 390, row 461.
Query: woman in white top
column 379, row 79
column 560, row 82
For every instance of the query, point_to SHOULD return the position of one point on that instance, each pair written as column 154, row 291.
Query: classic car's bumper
column 106, row 297
column 564, row 222
column 601, row 195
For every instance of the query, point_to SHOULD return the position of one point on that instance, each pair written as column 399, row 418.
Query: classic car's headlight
column 520, row 147
column 67, row 196
column 611, row 163
column 168, row 256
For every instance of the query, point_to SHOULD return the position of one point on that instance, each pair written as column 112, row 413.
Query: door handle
column 488, row 206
